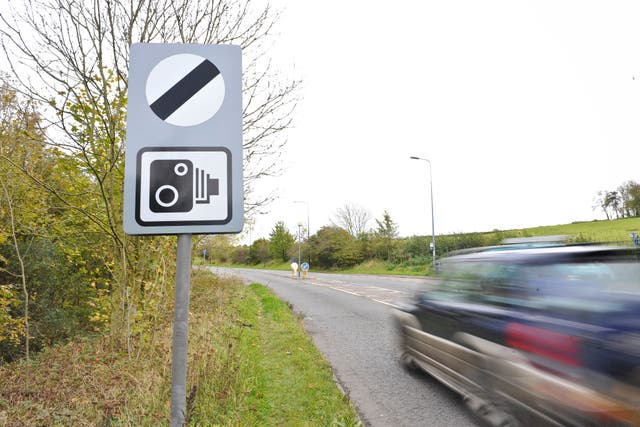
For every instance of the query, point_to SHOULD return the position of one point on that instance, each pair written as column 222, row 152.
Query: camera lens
column 166, row 196
column 181, row 169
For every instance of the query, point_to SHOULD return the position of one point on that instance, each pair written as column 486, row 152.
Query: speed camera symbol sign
column 185, row 185
column 184, row 150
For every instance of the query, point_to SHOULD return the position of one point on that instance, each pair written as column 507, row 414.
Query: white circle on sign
column 185, row 89
column 181, row 169
column 171, row 189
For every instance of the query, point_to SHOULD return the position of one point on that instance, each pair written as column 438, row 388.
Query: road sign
column 305, row 266
column 185, row 89
column 183, row 169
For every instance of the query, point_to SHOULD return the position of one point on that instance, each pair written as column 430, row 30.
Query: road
column 349, row 319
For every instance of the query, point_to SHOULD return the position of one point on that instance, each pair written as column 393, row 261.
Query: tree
column 21, row 274
column 622, row 203
column 386, row 232
column 333, row 247
column 44, row 247
column 353, row 218
column 75, row 64
column 629, row 199
column 609, row 202
column 218, row 246
column 386, row 228
column 599, row 203
column 18, row 221
column 260, row 251
column 280, row 242
column 79, row 54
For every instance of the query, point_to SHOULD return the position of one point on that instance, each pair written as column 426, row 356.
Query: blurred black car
column 534, row 336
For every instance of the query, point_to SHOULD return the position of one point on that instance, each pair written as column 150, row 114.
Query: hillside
column 613, row 231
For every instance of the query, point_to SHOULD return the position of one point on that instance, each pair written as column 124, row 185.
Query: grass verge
column 386, row 268
column 250, row 363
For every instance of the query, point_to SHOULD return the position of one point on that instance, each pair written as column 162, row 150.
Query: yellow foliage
column 11, row 329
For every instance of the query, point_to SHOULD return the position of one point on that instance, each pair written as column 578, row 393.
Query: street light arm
column 433, row 230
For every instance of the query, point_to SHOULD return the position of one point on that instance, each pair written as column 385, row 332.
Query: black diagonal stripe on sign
column 182, row 91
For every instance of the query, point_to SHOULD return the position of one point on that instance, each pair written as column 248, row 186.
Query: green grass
column 381, row 267
column 285, row 381
column 271, row 265
column 615, row 231
column 250, row 364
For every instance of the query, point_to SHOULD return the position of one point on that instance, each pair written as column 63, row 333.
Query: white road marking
column 380, row 295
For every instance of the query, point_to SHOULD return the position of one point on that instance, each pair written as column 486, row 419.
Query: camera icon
column 171, row 186
column 176, row 184
column 183, row 185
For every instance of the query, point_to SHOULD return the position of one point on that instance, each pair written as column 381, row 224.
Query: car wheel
column 408, row 363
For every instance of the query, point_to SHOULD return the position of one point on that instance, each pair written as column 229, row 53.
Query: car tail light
column 551, row 345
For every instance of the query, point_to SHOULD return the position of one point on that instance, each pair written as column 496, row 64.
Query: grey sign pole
column 180, row 331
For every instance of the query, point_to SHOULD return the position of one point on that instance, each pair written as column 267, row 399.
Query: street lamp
column 433, row 230
column 306, row 203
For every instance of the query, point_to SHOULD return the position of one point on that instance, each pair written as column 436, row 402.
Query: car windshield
column 591, row 286
column 595, row 286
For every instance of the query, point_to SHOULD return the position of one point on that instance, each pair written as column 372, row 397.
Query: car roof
column 544, row 254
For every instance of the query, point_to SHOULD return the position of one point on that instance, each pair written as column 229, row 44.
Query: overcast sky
column 525, row 108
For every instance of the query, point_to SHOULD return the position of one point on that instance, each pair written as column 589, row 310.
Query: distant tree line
column 347, row 241
column 350, row 239
column 623, row 202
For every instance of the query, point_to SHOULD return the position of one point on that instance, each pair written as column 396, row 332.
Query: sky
column 526, row 109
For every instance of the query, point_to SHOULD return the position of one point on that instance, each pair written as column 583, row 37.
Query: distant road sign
column 305, row 266
column 183, row 169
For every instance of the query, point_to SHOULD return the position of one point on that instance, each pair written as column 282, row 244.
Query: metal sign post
column 180, row 332
column 183, row 168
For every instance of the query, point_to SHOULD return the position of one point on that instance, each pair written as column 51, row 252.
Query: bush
column 334, row 247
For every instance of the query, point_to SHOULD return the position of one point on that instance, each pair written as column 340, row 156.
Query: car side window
column 462, row 283
column 485, row 282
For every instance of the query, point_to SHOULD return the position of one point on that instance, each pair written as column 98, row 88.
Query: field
column 614, row 231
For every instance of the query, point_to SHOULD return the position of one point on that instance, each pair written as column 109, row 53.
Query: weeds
column 250, row 363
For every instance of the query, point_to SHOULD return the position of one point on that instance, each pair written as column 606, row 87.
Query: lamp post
column 433, row 230
column 306, row 203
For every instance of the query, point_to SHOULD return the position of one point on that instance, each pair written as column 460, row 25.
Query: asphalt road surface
column 349, row 318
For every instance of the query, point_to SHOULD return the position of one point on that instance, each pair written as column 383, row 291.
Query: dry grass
column 239, row 338
column 82, row 383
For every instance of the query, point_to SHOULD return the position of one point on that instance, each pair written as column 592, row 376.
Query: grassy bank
column 381, row 267
column 250, row 363
column 614, row 231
